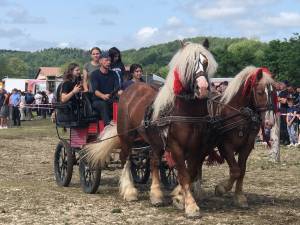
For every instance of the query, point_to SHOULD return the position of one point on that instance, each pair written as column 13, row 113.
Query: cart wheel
column 89, row 177
column 140, row 170
column 64, row 160
column 168, row 176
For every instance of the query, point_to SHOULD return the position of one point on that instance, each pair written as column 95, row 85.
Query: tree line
column 282, row 57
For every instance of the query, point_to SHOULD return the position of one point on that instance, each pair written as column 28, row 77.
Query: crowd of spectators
column 289, row 109
column 17, row 106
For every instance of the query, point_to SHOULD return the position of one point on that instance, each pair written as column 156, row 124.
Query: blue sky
column 37, row 24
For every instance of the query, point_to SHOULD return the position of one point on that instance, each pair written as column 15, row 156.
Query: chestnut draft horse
column 182, row 102
column 248, row 102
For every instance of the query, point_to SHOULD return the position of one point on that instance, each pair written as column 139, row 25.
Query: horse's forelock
column 251, row 81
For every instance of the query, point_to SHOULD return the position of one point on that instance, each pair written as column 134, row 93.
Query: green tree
column 16, row 67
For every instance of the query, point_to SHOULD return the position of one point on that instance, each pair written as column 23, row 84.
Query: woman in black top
column 71, row 84
column 116, row 64
column 136, row 72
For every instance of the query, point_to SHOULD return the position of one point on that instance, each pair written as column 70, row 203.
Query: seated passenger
column 104, row 83
column 117, row 64
column 136, row 72
column 71, row 84
column 90, row 67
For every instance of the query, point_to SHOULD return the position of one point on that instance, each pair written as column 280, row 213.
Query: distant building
column 10, row 83
column 51, row 75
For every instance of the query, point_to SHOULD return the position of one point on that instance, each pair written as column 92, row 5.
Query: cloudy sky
column 37, row 24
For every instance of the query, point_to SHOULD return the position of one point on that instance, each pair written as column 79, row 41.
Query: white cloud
column 174, row 22
column 11, row 33
column 21, row 16
column 146, row 33
column 63, row 45
column 31, row 44
column 218, row 13
column 284, row 19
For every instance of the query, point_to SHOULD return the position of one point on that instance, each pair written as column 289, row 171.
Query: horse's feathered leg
column 234, row 170
column 127, row 188
column 239, row 198
column 156, row 195
column 191, row 208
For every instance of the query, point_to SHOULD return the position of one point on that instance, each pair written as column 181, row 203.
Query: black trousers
column 16, row 116
column 104, row 108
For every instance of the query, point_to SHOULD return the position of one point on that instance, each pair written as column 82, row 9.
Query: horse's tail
column 98, row 153
column 214, row 158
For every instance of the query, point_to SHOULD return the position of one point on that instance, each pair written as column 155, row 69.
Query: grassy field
column 29, row 194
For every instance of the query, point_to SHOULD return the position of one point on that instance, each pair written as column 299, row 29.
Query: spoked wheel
column 89, row 177
column 168, row 176
column 64, row 160
column 140, row 165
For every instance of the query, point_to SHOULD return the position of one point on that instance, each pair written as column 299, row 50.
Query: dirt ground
column 29, row 194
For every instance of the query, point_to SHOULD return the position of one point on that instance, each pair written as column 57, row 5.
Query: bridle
column 271, row 101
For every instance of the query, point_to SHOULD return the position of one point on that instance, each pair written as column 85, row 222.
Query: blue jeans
column 104, row 108
column 292, row 133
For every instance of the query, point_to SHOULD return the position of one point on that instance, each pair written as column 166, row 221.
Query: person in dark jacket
column 116, row 64
column 104, row 84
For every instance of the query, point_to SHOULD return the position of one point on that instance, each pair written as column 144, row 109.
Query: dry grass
column 30, row 195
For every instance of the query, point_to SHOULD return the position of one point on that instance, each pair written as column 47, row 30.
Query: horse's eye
column 261, row 93
column 205, row 63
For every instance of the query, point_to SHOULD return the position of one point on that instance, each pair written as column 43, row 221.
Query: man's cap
column 105, row 54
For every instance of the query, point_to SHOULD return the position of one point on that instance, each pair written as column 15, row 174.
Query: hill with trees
column 232, row 54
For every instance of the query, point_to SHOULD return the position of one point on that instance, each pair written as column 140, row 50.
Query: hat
column 105, row 54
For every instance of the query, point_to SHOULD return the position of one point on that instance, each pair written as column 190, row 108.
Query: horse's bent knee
column 235, row 173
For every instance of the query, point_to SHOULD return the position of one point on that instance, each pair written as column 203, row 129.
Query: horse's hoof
column 130, row 198
column 241, row 201
column 131, row 195
column 178, row 202
column 156, row 202
column 220, row 190
column 193, row 212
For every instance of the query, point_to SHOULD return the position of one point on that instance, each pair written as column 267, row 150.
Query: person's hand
column 105, row 97
column 76, row 89
column 120, row 92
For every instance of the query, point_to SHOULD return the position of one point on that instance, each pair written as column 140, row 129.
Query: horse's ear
column 206, row 43
column 182, row 44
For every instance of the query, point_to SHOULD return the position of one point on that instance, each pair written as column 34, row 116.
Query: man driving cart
column 105, row 85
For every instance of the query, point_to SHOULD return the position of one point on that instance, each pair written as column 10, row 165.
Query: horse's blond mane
column 239, row 80
column 184, row 60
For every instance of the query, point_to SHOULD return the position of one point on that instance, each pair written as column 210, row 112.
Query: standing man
column 3, row 108
column 15, row 100
column 104, row 82
column 29, row 99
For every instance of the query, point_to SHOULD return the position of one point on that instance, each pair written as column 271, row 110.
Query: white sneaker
column 5, row 127
column 1, row 127
column 290, row 145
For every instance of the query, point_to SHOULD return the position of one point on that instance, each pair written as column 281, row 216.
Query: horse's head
column 191, row 67
column 260, row 87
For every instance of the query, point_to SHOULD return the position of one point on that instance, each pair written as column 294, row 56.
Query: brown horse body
column 237, row 134
column 181, row 96
column 187, row 141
